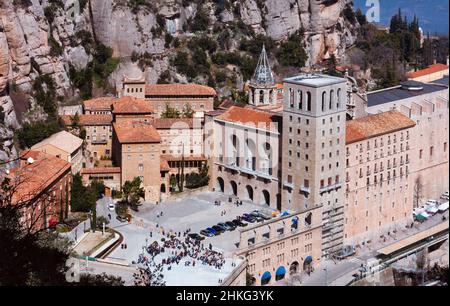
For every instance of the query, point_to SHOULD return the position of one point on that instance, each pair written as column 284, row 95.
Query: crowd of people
column 172, row 250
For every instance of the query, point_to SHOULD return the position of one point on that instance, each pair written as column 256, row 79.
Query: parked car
column 239, row 223
column 248, row 218
column 122, row 218
column 225, row 226
column 206, row 233
column 431, row 202
column 196, row 236
column 255, row 214
column 212, row 231
column 218, row 229
column 231, row 225
column 111, row 206
column 432, row 209
column 445, row 196
column 265, row 215
column 347, row 251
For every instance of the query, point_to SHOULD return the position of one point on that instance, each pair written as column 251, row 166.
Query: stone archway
column 266, row 197
column 249, row 192
column 233, row 188
column 220, row 185
column 293, row 269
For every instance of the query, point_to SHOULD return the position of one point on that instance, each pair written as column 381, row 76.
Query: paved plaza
column 195, row 213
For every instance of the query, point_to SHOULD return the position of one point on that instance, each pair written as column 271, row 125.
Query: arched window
column 261, row 96
column 331, row 98
column 338, row 104
column 324, row 96
column 250, row 155
column 266, row 159
column 300, row 99
column 308, row 101
column 235, row 150
column 291, row 98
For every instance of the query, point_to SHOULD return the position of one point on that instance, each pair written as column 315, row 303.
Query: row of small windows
column 132, row 89
column 380, row 141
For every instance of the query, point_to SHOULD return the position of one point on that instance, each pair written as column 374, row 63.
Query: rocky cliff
column 43, row 37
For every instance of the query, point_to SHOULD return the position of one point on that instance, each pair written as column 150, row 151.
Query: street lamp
column 326, row 276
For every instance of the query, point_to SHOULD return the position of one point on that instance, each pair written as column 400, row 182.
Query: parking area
column 200, row 212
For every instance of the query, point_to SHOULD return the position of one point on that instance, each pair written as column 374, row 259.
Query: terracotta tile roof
column 32, row 179
column 164, row 165
column 99, row 104
column 176, row 123
column 227, row 103
column 215, row 113
column 62, row 140
column 249, row 116
column 89, row 119
column 376, row 125
column 100, row 170
column 131, row 105
column 136, row 132
column 173, row 90
column 429, row 70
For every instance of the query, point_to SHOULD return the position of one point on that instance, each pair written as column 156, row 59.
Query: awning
column 281, row 271
column 284, row 214
column 266, row 275
column 308, row 259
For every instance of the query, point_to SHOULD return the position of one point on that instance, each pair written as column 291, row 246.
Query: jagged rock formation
column 26, row 35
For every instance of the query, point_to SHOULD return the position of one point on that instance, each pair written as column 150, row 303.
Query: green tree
column 291, row 52
column 132, row 191
column 33, row 258
column 170, row 112
column 34, row 132
column 77, row 194
column 188, row 112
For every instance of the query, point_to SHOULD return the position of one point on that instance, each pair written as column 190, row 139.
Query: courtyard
column 175, row 217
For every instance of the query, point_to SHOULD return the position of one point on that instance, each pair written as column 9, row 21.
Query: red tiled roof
column 376, row 125
column 175, row 123
column 249, row 116
column 227, row 103
column 164, row 165
column 99, row 104
column 179, row 90
column 136, row 132
column 89, row 119
column 131, row 105
column 429, row 70
column 100, row 170
column 32, row 179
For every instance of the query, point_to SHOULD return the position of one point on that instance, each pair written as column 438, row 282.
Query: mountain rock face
column 28, row 38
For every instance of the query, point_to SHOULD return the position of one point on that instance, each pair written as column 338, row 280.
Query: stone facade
column 379, row 184
column 282, row 247
column 429, row 138
column 245, row 158
column 313, row 157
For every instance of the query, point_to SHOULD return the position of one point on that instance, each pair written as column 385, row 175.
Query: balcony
column 305, row 190
column 100, row 141
column 330, row 188
column 289, row 185
column 248, row 171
